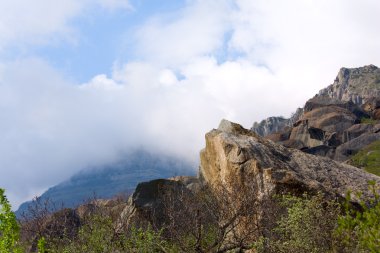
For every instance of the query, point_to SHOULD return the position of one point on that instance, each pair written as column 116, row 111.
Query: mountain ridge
column 120, row 177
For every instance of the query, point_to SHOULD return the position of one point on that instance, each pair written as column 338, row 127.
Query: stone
column 322, row 150
column 146, row 205
column 344, row 151
column 355, row 131
column 356, row 85
column 241, row 156
column 273, row 125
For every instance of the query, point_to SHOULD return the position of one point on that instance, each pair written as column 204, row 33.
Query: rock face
column 356, row 85
column 275, row 124
column 338, row 121
column 147, row 202
column 235, row 153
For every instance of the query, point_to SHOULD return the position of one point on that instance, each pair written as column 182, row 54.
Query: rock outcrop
column 275, row 124
column 356, row 85
column 147, row 203
column 338, row 121
column 235, row 153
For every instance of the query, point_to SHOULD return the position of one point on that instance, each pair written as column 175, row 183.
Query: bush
column 9, row 228
column 359, row 228
column 307, row 225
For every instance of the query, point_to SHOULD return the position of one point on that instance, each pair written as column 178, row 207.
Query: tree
column 307, row 226
column 213, row 219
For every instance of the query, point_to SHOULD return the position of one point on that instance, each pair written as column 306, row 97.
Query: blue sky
column 101, row 39
column 83, row 81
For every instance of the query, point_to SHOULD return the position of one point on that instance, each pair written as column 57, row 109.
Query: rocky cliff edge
column 233, row 153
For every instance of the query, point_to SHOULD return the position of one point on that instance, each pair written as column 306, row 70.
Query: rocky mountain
column 340, row 120
column 120, row 177
column 275, row 124
column 239, row 173
column 355, row 85
column 235, row 157
column 234, row 160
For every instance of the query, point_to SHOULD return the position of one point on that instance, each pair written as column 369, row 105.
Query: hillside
column 120, row 177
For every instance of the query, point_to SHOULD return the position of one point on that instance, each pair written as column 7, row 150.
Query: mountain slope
column 120, row 177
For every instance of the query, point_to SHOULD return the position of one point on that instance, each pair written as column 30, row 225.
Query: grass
column 368, row 158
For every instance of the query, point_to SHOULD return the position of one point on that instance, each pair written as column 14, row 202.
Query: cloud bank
column 186, row 70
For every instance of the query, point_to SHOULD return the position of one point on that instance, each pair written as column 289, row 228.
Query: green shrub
column 41, row 245
column 145, row 241
column 9, row 228
column 307, row 225
column 359, row 228
column 100, row 235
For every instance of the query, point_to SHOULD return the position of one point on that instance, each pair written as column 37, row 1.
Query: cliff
column 237, row 154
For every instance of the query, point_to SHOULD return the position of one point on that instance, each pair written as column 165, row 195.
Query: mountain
column 339, row 121
column 275, row 124
column 120, row 177
column 355, row 85
column 242, row 175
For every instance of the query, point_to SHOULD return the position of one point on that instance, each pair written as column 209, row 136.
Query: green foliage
column 9, row 228
column 95, row 236
column 41, row 245
column 368, row 158
column 359, row 230
column 207, row 242
column 307, row 225
column 99, row 235
column 145, row 241
column 366, row 120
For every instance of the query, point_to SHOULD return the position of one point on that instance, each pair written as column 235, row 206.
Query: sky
column 84, row 81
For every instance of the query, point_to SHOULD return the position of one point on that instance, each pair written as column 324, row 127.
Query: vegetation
column 307, row 225
column 368, row 158
column 9, row 228
column 198, row 223
column 366, row 120
column 359, row 229
column 213, row 220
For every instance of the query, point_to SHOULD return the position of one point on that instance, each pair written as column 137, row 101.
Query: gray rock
column 356, row 85
column 344, row 151
column 251, row 159
column 276, row 124
column 355, row 131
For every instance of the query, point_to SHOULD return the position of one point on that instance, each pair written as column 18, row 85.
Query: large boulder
column 322, row 126
column 147, row 204
column 233, row 153
column 355, row 131
column 344, row 151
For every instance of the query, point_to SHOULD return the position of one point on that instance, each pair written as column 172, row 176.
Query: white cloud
column 305, row 42
column 277, row 54
column 116, row 4
column 176, row 38
column 25, row 22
